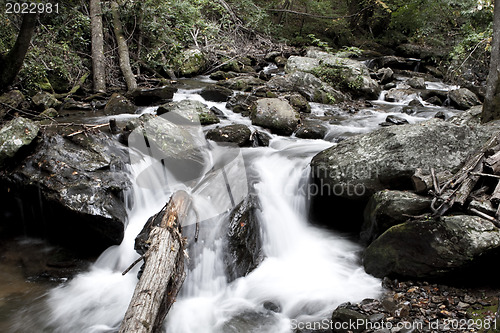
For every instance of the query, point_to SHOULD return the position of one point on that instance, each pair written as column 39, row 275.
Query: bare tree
column 13, row 61
column 491, row 106
column 98, row 68
column 123, row 52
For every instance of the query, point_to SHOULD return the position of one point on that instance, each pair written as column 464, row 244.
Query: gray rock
column 394, row 63
column 311, row 130
column 416, row 83
column 299, row 102
column 275, row 114
column 216, row 93
column 431, row 249
column 388, row 208
column 191, row 62
column 301, row 64
column 15, row 135
column 243, row 83
column 241, row 103
column 388, row 157
column 43, row 101
column 10, row 100
column 346, row 320
column 395, row 120
column 244, row 245
column 238, row 134
column 385, row 75
column 463, row 98
column 74, row 188
column 221, row 75
column 148, row 97
column 192, row 111
column 118, row 104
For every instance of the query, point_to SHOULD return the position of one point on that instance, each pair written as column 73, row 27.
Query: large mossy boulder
column 118, row 104
column 243, row 83
column 308, row 85
column 10, row 101
column 437, row 248
column 191, row 62
column 192, row 111
column 71, row 190
column 301, row 64
column 276, row 114
column 216, row 93
column 388, row 208
column 243, row 252
column 346, row 175
column 43, row 101
column 238, row 134
column 15, row 135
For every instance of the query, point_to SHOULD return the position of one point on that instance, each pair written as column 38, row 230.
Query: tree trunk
column 13, row 61
column 491, row 106
column 163, row 273
column 123, row 53
column 98, row 70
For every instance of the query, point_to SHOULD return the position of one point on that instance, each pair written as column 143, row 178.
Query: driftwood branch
column 163, row 273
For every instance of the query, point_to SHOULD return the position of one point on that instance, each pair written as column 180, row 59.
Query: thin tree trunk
column 98, row 69
column 491, row 106
column 123, row 53
column 13, row 61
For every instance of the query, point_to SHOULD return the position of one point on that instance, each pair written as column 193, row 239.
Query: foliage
column 339, row 77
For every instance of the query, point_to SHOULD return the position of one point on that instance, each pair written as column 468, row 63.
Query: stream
column 307, row 270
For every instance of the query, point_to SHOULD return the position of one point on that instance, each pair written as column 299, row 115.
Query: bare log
column 468, row 184
column 493, row 163
column 163, row 273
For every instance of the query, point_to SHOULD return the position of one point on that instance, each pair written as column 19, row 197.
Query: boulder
column 309, row 86
column 435, row 248
column 301, row 64
column 385, row 75
column 118, row 104
column 15, row 135
column 221, row 75
column 416, row 83
column 345, row 320
column 388, row 208
column 260, row 139
column 399, row 95
column 9, row 101
column 347, row 174
column 216, row 93
column 463, row 98
column 243, row 83
column 243, row 251
column 151, row 96
column 299, row 103
column 43, row 101
column 72, row 191
column 311, row 130
column 275, row 114
column 193, row 111
column 238, row 134
column 191, row 62
column 351, row 74
column 394, row 120
column 241, row 103
column 394, row 62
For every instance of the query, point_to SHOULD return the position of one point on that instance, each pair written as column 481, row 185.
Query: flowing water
column 306, row 273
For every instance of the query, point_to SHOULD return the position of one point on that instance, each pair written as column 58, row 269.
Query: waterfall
column 306, row 273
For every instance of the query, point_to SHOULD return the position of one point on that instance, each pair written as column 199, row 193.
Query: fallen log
column 163, row 272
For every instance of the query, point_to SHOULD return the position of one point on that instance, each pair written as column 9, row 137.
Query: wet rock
column 440, row 115
column 434, row 100
column 238, row 134
column 398, row 95
column 244, row 245
column 415, row 102
column 221, row 75
column 16, row 135
column 394, row 63
column 260, row 139
column 192, row 111
column 299, row 103
column 152, row 96
column 309, row 86
column 463, row 98
column 388, row 208
column 431, row 248
column 216, row 93
column 44, row 100
column 71, row 190
column 275, row 114
column 280, row 61
column 395, row 120
column 346, row 320
column 311, row 130
column 416, row 83
column 347, row 174
column 118, row 104
column 9, row 101
column 385, row 75
column 191, row 62
column 241, row 103
column 243, row 83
